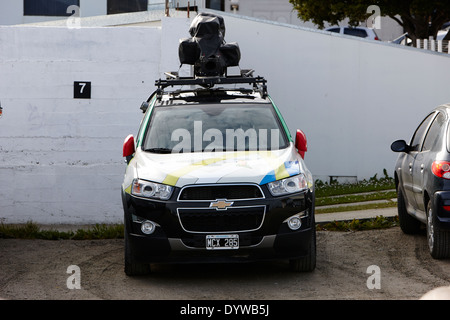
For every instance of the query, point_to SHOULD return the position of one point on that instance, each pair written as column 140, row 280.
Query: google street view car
column 214, row 174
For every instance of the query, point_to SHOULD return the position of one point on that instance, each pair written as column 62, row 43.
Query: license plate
column 222, row 241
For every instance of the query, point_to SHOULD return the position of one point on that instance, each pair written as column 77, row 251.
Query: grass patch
column 379, row 222
column 31, row 230
column 352, row 198
column 325, row 189
column 374, row 189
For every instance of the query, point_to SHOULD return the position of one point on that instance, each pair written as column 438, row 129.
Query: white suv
column 214, row 174
column 362, row 32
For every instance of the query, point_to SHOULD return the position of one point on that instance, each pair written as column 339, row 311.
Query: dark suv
column 422, row 176
column 214, row 174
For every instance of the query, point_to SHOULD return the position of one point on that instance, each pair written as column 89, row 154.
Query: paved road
column 359, row 214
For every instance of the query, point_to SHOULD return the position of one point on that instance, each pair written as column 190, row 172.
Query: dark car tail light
column 441, row 169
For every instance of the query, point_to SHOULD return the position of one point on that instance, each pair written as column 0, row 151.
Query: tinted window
column 123, row 6
column 420, row 132
column 214, row 127
column 337, row 30
column 215, row 4
column 356, row 32
column 434, row 133
column 48, row 7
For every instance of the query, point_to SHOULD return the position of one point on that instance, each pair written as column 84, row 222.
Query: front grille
column 230, row 220
column 229, row 192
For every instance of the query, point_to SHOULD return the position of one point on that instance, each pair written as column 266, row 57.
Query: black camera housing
column 206, row 50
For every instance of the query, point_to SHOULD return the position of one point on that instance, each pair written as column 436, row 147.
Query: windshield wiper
column 159, row 150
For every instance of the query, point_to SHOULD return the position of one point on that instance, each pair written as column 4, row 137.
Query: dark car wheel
column 133, row 268
column 408, row 223
column 438, row 240
column 308, row 263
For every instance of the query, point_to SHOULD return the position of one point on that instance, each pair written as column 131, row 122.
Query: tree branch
column 400, row 22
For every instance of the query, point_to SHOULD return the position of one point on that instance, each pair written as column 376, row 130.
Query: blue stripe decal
column 292, row 168
column 268, row 178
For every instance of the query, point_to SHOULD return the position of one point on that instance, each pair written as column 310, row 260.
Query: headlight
column 147, row 189
column 289, row 185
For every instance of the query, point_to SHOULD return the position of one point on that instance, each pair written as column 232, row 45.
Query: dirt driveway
column 376, row 264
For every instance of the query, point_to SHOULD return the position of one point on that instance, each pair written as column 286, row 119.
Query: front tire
column 133, row 268
column 438, row 239
column 308, row 263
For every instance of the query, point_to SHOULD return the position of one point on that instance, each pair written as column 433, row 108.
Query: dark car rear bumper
column 441, row 202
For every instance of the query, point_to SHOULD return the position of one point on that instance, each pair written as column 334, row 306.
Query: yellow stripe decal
column 173, row 177
column 281, row 172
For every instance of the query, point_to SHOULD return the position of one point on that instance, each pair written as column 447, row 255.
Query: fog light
column 294, row 223
column 147, row 227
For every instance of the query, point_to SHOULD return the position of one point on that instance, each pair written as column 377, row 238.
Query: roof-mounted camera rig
column 206, row 50
column 210, row 57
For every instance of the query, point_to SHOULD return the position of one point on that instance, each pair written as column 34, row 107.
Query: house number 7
column 82, row 90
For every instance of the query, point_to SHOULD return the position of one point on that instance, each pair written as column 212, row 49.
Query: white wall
column 60, row 158
column 352, row 97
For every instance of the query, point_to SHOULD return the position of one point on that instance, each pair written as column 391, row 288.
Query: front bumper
column 262, row 236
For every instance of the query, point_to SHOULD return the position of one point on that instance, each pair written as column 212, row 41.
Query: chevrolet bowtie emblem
column 220, row 204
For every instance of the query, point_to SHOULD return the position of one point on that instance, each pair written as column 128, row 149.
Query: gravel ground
column 364, row 265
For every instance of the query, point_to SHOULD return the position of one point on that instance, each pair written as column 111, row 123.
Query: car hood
column 181, row 169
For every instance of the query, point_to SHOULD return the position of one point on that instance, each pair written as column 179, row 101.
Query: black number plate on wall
column 82, row 90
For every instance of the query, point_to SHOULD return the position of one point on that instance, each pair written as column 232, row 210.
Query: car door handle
column 421, row 167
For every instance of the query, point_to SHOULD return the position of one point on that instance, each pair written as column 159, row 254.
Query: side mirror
column 144, row 106
column 128, row 147
column 400, row 146
column 300, row 143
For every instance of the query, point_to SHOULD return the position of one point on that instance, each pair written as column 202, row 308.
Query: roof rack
column 246, row 77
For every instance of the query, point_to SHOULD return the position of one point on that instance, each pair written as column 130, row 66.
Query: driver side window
column 434, row 135
column 418, row 136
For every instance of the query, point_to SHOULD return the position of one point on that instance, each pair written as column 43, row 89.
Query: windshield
column 214, row 127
